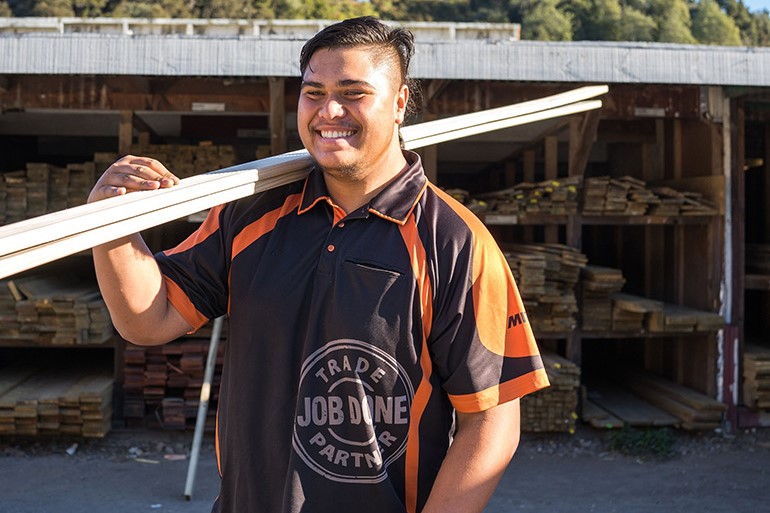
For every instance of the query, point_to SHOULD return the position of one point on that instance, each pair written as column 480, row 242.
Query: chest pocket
column 374, row 292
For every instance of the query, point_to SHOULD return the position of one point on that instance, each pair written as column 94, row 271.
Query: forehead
column 355, row 63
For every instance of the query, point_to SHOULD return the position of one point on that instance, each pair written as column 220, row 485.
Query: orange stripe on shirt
column 495, row 294
column 209, row 226
column 499, row 394
column 422, row 395
column 183, row 305
column 264, row 224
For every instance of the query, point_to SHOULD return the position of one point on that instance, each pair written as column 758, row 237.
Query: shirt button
column 330, row 248
column 341, row 224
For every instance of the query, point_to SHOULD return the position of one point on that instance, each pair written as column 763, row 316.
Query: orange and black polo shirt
column 352, row 340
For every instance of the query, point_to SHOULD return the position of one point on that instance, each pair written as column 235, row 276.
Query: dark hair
column 370, row 32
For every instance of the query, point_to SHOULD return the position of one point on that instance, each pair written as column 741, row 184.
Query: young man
column 370, row 364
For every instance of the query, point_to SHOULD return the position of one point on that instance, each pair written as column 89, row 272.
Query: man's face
column 349, row 110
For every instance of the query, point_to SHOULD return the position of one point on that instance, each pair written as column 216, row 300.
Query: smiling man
column 370, row 365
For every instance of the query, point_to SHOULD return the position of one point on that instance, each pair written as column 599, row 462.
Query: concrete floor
column 555, row 474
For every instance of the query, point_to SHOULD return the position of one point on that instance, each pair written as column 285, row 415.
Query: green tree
column 150, row 9
column 542, row 20
column 711, row 25
column 5, row 10
column 635, row 25
column 673, row 19
column 595, row 20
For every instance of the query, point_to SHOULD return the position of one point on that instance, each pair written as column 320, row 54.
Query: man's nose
column 332, row 109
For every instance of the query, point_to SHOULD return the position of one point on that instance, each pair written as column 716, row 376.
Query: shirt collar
column 394, row 203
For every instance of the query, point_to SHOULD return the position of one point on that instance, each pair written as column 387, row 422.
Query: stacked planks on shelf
column 546, row 275
column 166, row 381
column 694, row 410
column 48, row 399
column 41, row 187
column 597, row 284
column 550, row 197
column 756, row 377
column 553, row 409
column 53, row 308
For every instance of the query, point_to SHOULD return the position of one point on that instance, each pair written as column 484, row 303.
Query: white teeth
column 328, row 134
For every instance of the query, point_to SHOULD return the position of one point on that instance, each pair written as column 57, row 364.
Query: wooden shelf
column 757, row 281
column 547, row 219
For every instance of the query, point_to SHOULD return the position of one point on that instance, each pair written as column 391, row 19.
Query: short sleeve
column 196, row 272
column 481, row 339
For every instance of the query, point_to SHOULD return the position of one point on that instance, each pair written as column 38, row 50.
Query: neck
column 352, row 189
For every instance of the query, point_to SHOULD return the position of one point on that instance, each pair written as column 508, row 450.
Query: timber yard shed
column 639, row 233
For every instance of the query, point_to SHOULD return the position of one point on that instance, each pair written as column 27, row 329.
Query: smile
column 336, row 134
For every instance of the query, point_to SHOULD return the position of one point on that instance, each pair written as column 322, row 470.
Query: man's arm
column 129, row 278
column 481, row 451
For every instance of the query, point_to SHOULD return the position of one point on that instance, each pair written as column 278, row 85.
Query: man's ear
column 401, row 101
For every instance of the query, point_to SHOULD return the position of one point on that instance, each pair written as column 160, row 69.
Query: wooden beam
column 125, row 132
column 582, row 134
column 40, row 240
column 277, row 115
column 551, row 173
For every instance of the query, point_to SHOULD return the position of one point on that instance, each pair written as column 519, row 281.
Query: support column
column 277, row 115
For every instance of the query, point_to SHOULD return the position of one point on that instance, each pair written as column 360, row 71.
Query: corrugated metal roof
column 151, row 55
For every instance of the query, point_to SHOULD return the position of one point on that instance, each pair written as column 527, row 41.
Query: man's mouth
column 336, row 134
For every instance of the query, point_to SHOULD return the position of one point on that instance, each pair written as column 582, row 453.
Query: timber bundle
column 597, row 196
column 604, row 307
column 54, row 399
column 53, row 309
column 553, row 409
column 546, row 275
column 756, row 377
column 165, row 381
column 41, row 188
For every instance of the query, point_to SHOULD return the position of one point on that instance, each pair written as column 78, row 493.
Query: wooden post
column 277, row 115
column 551, row 173
column 125, row 132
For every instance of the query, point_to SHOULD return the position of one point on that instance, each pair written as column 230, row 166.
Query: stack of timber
column 185, row 160
column 694, row 410
column 51, row 399
column 165, row 381
column 550, row 197
column 629, row 196
column 608, row 405
column 673, row 202
column 553, row 409
column 54, row 309
column 43, row 188
column 547, row 275
column 756, row 377
column 597, row 284
column 629, row 312
column 676, row 318
column 616, row 196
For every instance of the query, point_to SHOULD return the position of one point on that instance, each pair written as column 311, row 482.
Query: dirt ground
column 134, row 471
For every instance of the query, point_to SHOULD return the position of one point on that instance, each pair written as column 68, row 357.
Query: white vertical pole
column 203, row 406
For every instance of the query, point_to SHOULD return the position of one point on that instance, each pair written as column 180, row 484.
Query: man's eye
column 313, row 93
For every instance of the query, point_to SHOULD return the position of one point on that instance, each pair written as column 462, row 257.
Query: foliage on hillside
column 715, row 22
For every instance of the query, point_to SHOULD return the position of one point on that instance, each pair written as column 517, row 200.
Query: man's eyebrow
column 341, row 83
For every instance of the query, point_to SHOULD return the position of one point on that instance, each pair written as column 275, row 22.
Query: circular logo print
column 353, row 412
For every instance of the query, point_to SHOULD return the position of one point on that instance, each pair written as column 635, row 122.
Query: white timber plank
column 30, row 243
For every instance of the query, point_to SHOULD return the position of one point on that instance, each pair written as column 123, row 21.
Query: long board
column 34, row 242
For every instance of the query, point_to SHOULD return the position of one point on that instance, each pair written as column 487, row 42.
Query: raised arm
column 129, row 277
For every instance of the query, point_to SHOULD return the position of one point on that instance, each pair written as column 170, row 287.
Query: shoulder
column 451, row 219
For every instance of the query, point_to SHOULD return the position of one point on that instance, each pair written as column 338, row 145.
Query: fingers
column 132, row 173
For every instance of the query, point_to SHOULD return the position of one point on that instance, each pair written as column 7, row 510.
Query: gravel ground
column 133, row 471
